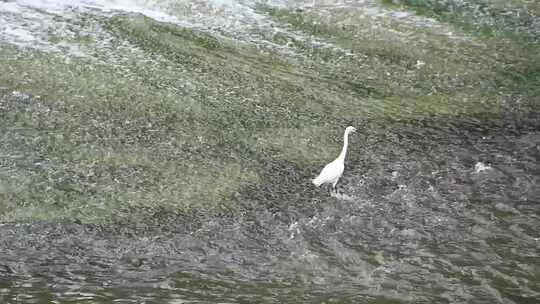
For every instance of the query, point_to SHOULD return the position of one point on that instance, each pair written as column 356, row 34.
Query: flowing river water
column 437, row 212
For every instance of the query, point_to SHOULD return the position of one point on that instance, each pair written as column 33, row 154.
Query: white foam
column 480, row 166
column 9, row 7
column 60, row 6
column 35, row 23
column 17, row 33
column 344, row 197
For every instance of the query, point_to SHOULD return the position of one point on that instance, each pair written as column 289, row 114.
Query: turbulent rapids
column 164, row 151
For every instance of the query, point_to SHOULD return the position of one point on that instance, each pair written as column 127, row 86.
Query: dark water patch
column 410, row 224
column 364, row 90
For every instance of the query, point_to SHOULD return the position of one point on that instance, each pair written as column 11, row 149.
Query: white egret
column 331, row 173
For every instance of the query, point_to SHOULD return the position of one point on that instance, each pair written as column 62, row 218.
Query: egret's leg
column 334, row 186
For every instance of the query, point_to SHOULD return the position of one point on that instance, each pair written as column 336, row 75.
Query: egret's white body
column 331, row 173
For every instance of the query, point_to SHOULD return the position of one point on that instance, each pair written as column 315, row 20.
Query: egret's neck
column 341, row 156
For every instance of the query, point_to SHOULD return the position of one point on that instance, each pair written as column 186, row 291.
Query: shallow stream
column 429, row 211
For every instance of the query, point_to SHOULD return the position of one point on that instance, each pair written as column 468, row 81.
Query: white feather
column 331, row 173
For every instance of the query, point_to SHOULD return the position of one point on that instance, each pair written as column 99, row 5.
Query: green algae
column 507, row 28
column 492, row 19
column 96, row 143
column 105, row 143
